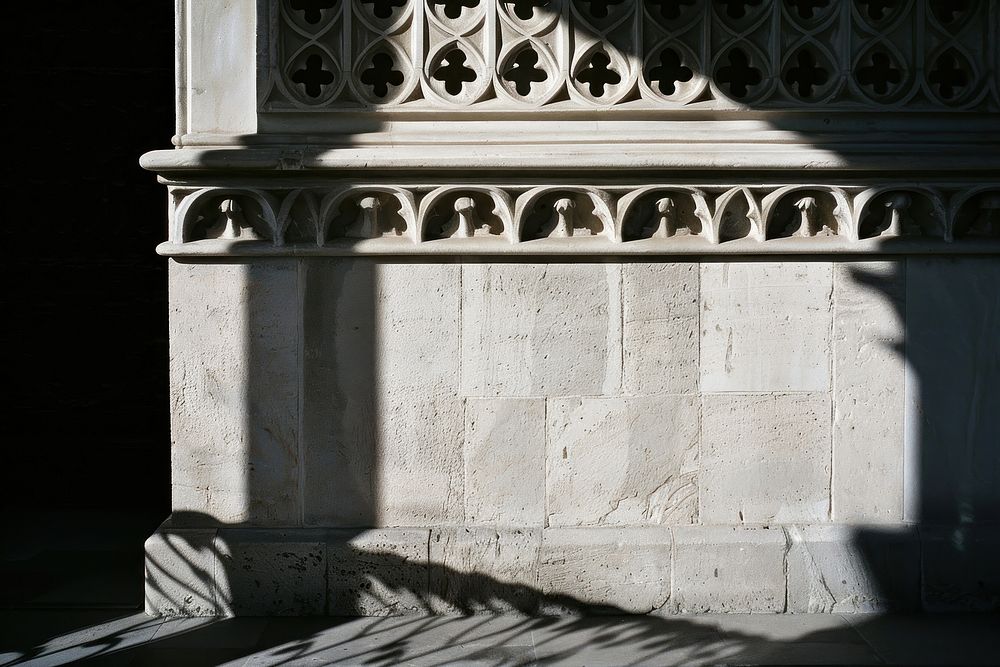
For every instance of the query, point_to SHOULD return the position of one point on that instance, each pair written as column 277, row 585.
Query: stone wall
column 372, row 436
column 698, row 318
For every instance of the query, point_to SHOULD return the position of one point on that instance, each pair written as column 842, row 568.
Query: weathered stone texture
column 728, row 569
column 660, row 328
column 234, row 366
column 622, row 461
column 609, row 570
column 181, row 566
column 505, row 462
column 541, row 329
column 272, row 573
column 378, row 572
column 868, row 367
column 765, row 326
column 852, row 569
column 484, row 570
column 765, row 458
column 420, row 477
column 382, row 421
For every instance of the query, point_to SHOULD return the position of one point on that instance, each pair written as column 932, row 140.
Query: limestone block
column 622, row 461
column 728, row 569
column 420, row 465
column 401, row 468
column 952, row 390
column 181, row 565
column 606, row 570
column 765, row 458
column 505, row 461
column 541, row 329
column 373, row 327
column 852, row 569
column 382, row 426
column 660, row 328
column 484, row 570
column 269, row 572
column 868, row 366
column 379, row 572
column 961, row 568
column 765, row 326
column 234, row 367
column 220, row 95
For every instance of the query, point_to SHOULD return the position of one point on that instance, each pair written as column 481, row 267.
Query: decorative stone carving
column 572, row 218
column 518, row 55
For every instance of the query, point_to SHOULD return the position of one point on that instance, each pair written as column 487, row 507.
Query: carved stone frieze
column 523, row 55
column 587, row 219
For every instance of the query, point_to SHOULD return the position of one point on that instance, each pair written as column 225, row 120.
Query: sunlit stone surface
column 575, row 307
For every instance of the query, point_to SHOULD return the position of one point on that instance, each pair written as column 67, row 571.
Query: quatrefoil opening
column 384, row 9
column 527, row 73
column 453, row 71
column 526, row 9
column 879, row 74
column 950, row 76
column 950, row 14
column 314, row 76
column 382, row 75
column 453, row 9
column 671, row 71
column 737, row 75
column 807, row 74
column 599, row 74
column 312, row 11
column 601, row 9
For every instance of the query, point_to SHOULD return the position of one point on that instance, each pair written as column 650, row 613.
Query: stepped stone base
column 704, row 569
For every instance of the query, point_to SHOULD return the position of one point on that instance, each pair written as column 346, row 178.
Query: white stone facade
column 639, row 349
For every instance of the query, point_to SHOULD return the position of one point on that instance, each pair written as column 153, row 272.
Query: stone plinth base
column 698, row 569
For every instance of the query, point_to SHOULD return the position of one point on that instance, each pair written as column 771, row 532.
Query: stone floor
column 71, row 595
column 49, row 637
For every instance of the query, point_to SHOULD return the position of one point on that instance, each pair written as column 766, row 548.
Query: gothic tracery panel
column 520, row 55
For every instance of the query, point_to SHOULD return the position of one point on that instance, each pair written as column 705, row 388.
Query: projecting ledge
column 450, row 152
column 682, row 246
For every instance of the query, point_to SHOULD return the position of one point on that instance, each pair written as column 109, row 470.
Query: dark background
column 88, row 87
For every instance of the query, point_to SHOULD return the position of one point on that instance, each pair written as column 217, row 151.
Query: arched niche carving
column 663, row 212
column 563, row 212
column 895, row 211
column 226, row 214
column 803, row 211
column 367, row 212
column 464, row 212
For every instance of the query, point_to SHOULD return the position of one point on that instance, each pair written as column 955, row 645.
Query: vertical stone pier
column 563, row 307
